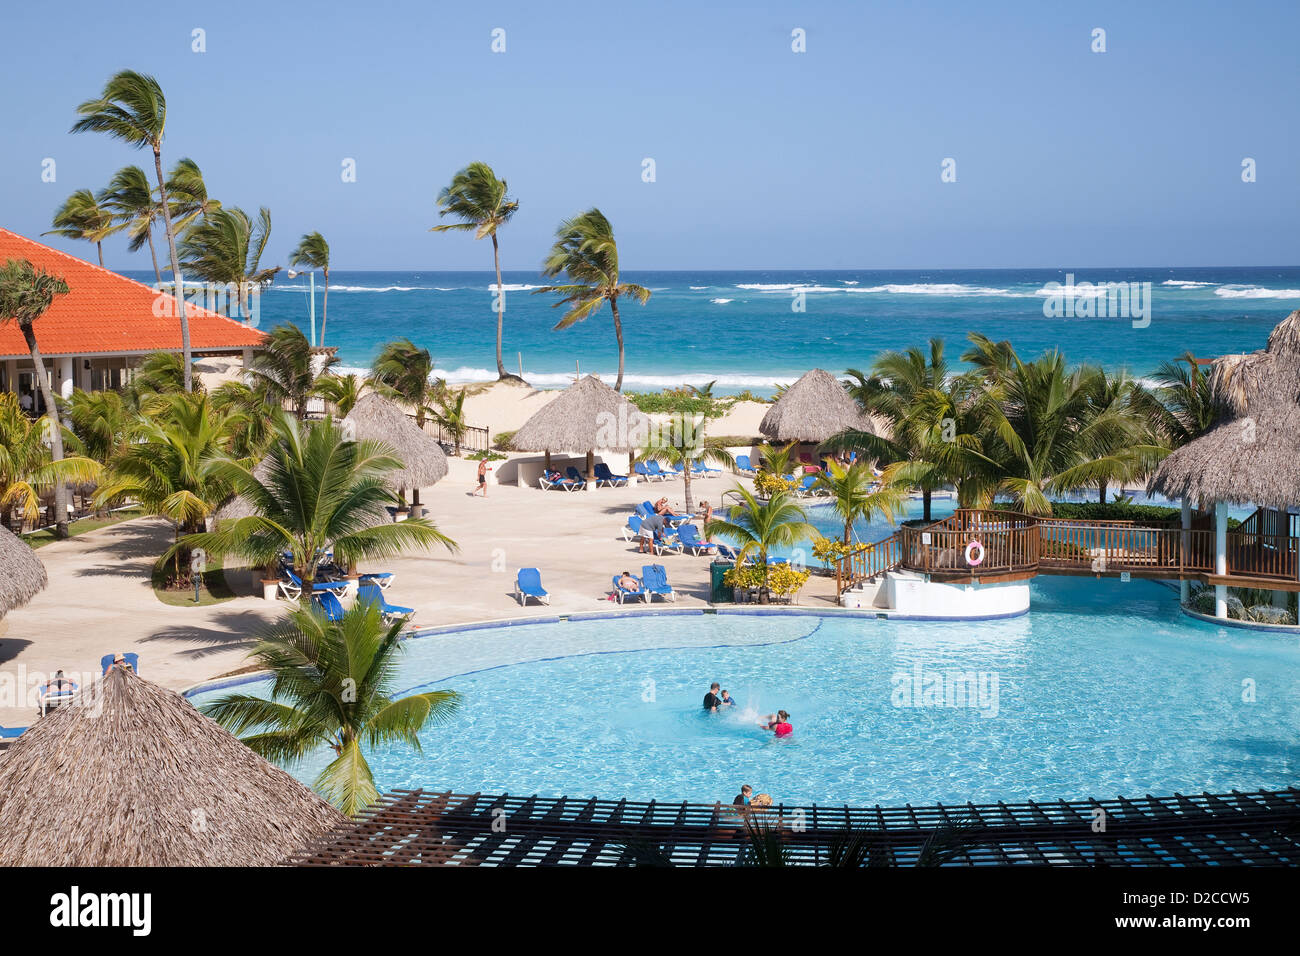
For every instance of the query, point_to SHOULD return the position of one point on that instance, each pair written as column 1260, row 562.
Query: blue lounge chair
column 743, row 466
column 528, row 583
column 641, row 471
column 371, row 594
column 690, row 538
column 564, row 484
column 632, row 530
column 329, row 604
column 606, row 477
column 382, row 578
column 645, row 509
column 622, row 594
column 291, row 586
column 655, row 581
column 805, row 488
column 726, row 553
column 657, row 472
column 131, row 658
column 575, row 476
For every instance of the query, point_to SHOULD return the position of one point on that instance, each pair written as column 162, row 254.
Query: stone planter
column 270, row 589
column 417, row 511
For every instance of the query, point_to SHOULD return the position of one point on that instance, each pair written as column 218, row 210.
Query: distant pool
column 1102, row 689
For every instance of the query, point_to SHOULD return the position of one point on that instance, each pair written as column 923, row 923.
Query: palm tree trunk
column 56, row 431
column 618, row 334
column 325, row 306
column 501, row 307
column 1101, row 492
column 176, row 270
column 100, row 247
column 686, row 480
column 153, row 254
column 925, row 503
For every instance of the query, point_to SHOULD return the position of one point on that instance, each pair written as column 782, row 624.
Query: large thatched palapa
column 584, row 417
column 377, row 419
column 22, row 576
column 130, row 774
column 812, row 410
column 1252, row 455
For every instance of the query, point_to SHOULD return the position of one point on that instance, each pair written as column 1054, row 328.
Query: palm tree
column 1113, row 395
column 26, row 466
column 478, row 199
column 683, row 444
column 342, row 392
column 929, row 411
column 404, row 372
column 313, row 251
column 586, row 254
column 130, row 199
column 158, row 373
column 187, row 193
column 315, row 491
column 169, row 468
column 82, row 216
column 1180, row 407
column 225, row 247
column 333, row 685
column 251, row 429
column 285, row 370
column 854, row 494
column 757, row 526
column 101, row 421
column 26, row 293
column 450, row 416
column 132, row 108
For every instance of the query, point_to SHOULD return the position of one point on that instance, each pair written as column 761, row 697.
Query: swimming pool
column 1102, row 689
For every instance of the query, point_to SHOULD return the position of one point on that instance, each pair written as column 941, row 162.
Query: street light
column 311, row 273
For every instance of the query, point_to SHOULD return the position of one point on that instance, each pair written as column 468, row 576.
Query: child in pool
column 778, row 723
column 728, row 700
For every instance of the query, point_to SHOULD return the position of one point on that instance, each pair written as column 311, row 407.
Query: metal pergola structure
column 418, row 827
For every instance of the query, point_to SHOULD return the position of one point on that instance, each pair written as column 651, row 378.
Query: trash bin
column 719, row 593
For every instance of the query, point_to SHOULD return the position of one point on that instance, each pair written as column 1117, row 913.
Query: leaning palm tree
column 587, row 256
column 682, row 442
column 1180, row 405
column 130, row 199
column 757, row 526
column 478, row 199
column 27, row 468
column 132, row 108
column 26, row 293
column 450, row 416
column 332, row 686
column 341, row 392
column 315, row 491
column 856, row 495
column 313, row 251
column 84, row 216
column 187, row 195
column 226, row 247
column 285, row 370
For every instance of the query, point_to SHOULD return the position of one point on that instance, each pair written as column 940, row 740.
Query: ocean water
column 740, row 328
column 1103, row 688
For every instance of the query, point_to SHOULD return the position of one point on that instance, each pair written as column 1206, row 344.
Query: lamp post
column 311, row 274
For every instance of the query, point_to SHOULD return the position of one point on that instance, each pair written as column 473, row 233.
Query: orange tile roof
column 104, row 312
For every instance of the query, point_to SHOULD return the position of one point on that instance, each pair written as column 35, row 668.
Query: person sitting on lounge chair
column 628, row 583
column 661, row 508
column 55, row 691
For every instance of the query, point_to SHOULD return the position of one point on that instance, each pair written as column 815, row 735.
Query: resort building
column 92, row 337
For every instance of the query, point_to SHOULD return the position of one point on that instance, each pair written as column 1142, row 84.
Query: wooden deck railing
column 1267, row 551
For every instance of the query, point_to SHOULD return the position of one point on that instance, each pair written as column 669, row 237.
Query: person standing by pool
column 711, row 700
column 779, row 723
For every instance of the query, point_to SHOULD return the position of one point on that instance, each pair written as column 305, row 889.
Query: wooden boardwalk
column 1263, row 552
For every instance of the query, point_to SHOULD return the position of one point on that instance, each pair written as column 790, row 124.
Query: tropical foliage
column 332, row 686
column 756, row 527
column 27, row 468
column 313, row 252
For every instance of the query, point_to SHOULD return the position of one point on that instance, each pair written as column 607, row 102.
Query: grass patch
column 215, row 590
column 39, row 539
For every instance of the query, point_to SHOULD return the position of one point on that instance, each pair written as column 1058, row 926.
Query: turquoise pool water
column 1102, row 689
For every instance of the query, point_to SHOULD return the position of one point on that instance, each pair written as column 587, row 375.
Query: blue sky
column 765, row 158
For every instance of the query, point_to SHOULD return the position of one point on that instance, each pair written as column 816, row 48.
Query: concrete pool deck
column 99, row 598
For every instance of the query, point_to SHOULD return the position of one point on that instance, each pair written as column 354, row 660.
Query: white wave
column 1082, row 290
column 721, row 301
column 914, row 288
column 320, row 287
column 1186, row 283
column 517, row 287
column 697, row 288
column 465, row 375
column 1256, row 292
column 849, row 281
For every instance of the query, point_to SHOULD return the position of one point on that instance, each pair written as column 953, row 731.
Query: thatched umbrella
column 130, row 774
column 1250, row 460
column 377, row 419
column 1239, row 381
column 585, row 416
column 812, row 410
column 22, row 576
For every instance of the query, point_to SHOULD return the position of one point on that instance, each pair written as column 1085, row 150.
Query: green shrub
column 501, row 440
column 489, row 455
column 1121, row 511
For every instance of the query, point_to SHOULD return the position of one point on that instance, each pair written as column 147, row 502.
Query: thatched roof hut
column 1240, row 382
column 377, row 419
column 22, row 576
column 812, row 410
column 130, row 774
column 585, row 416
column 1254, row 459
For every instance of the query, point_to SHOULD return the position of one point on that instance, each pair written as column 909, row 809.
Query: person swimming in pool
column 778, row 723
column 726, row 700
